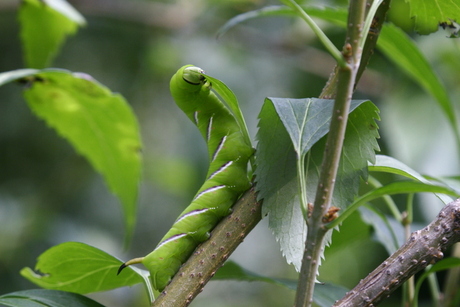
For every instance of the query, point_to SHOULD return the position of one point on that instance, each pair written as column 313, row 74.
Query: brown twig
column 424, row 247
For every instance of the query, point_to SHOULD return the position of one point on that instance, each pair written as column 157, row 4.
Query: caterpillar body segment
column 226, row 178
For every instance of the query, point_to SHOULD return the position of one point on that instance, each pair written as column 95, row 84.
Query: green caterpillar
column 227, row 176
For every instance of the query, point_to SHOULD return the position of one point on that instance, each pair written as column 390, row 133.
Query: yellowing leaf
column 98, row 123
column 44, row 26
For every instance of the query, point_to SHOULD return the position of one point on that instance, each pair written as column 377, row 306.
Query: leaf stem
column 368, row 22
column 302, row 181
column 336, row 54
column 434, row 288
column 406, row 223
column 323, row 198
column 387, row 199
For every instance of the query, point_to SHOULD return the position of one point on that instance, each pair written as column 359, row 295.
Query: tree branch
column 329, row 91
column 424, row 247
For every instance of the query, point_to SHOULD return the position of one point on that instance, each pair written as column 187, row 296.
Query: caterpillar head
column 193, row 75
column 188, row 88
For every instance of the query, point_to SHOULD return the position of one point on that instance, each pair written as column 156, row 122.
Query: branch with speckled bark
column 424, row 247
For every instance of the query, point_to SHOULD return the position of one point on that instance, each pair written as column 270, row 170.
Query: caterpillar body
column 226, row 179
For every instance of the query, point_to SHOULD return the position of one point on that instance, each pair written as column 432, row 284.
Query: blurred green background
column 49, row 194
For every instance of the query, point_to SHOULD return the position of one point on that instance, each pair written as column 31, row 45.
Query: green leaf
column 399, row 48
column 445, row 192
column 398, row 187
column 325, row 13
column 230, row 99
column 79, row 268
column 232, row 270
column 296, row 114
column 44, row 26
column 285, row 134
column 393, row 42
column 46, row 298
column 24, row 75
column 388, row 231
column 67, row 10
column 391, row 165
column 428, row 14
column 99, row 124
column 325, row 294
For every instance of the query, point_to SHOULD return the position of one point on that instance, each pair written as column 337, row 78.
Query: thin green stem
column 336, row 54
column 358, row 202
column 372, row 35
column 301, row 178
column 452, row 281
column 316, row 229
column 348, row 64
column 368, row 22
column 406, row 222
column 434, row 288
column 387, row 199
column 409, row 209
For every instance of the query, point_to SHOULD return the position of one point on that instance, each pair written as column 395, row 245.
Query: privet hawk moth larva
column 226, row 179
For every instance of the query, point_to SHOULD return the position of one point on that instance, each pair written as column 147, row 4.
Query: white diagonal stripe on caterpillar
column 192, row 213
column 208, row 133
column 175, row 237
column 210, row 190
column 219, row 147
column 195, row 117
column 221, row 169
